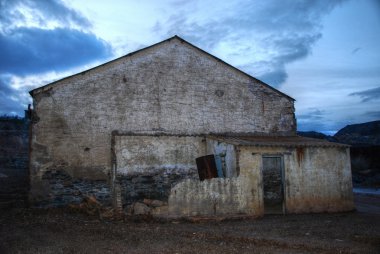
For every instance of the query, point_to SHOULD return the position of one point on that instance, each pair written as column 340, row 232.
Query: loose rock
column 141, row 209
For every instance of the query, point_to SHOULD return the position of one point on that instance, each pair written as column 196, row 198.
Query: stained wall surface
column 149, row 154
column 319, row 180
column 316, row 179
column 240, row 195
column 148, row 166
column 170, row 88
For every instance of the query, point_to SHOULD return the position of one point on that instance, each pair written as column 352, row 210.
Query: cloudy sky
column 325, row 54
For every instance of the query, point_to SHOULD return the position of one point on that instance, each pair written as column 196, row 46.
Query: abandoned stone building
column 133, row 128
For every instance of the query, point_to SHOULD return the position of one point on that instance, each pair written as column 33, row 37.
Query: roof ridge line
column 38, row 89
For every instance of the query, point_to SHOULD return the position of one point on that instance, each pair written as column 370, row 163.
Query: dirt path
column 57, row 231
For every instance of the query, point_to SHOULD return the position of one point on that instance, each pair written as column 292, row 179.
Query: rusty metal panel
column 207, row 167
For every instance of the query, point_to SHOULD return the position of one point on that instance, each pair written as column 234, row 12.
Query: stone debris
column 154, row 202
column 91, row 206
column 128, row 210
column 146, row 207
column 147, row 201
column 157, row 203
column 141, row 209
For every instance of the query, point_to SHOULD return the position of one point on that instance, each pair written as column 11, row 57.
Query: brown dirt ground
column 62, row 231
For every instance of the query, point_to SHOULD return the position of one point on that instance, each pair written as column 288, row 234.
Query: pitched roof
column 45, row 87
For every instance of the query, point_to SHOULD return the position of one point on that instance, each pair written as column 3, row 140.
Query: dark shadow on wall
column 365, row 165
column 14, row 173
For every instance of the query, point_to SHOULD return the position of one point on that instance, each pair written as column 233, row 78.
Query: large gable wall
column 169, row 88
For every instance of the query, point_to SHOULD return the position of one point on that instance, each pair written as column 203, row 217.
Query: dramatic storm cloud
column 37, row 37
column 266, row 34
column 325, row 54
column 9, row 99
column 39, row 13
column 34, row 50
column 368, row 95
column 373, row 114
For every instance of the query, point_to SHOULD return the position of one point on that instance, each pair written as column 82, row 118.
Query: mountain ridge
column 361, row 134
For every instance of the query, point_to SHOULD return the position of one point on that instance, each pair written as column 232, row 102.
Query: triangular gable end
column 55, row 83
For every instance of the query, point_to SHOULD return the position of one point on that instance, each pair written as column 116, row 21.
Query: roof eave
column 39, row 89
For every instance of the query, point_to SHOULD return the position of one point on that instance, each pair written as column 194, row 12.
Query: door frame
column 281, row 156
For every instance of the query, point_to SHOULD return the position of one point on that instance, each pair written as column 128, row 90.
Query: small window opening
column 215, row 166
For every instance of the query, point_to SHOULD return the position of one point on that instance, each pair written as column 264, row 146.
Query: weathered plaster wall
column 163, row 168
column 149, row 154
column 149, row 166
column 317, row 179
column 169, row 88
column 220, row 196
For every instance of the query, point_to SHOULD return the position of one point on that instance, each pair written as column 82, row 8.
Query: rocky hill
column 363, row 134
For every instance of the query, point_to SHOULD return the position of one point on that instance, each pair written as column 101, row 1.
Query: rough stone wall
column 163, row 168
column 14, row 175
column 316, row 179
column 61, row 189
column 149, row 166
column 169, row 88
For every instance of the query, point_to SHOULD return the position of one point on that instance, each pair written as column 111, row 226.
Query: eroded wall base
column 162, row 168
column 214, row 197
column 58, row 189
column 315, row 179
column 157, row 186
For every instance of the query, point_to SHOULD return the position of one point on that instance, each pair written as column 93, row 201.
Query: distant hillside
column 318, row 135
column 363, row 134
